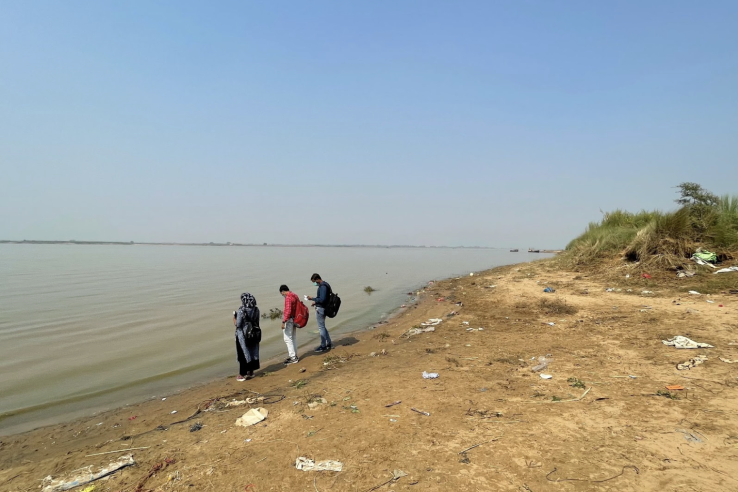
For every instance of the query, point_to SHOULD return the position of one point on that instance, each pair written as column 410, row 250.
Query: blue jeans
column 325, row 338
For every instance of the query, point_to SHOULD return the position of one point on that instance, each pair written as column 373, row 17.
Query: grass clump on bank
column 665, row 238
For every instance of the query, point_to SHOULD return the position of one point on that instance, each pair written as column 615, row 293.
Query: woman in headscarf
column 248, row 336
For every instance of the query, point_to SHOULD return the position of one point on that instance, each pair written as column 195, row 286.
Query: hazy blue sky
column 392, row 122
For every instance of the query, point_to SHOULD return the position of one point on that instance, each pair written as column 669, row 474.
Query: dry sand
column 530, row 434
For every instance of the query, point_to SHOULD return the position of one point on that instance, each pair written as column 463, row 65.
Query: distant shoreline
column 133, row 243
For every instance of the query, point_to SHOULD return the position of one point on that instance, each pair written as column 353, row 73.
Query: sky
column 475, row 123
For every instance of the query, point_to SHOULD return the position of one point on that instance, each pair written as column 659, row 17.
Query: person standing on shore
column 248, row 336
column 289, row 330
column 319, row 301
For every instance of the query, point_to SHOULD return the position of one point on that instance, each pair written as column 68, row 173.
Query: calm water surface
column 86, row 328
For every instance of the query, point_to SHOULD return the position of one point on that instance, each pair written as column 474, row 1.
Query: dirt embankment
column 603, row 421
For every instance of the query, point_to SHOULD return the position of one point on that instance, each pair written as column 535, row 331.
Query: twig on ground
column 383, row 483
column 635, row 468
column 420, row 412
column 477, row 445
column 118, row 451
column 316, row 487
column 563, row 401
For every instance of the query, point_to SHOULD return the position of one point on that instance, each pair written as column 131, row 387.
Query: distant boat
column 531, row 250
column 514, row 250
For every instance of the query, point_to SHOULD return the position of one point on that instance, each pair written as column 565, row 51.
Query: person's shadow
column 277, row 366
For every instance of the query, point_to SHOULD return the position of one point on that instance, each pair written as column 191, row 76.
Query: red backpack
column 302, row 315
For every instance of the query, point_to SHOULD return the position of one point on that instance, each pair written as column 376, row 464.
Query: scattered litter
column 441, row 299
column 645, row 275
column 247, row 440
column 430, row 375
column 689, row 436
column 694, row 293
column 647, row 292
column 133, row 418
column 674, row 387
column 432, row 322
column 551, row 323
column 253, row 416
column 702, row 262
column 420, row 412
column 549, row 289
column 693, row 362
column 173, row 412
column 249, row 401
column 609, row 289
column 163, row 399
column 306, row 464
column 91, row 488
column 681, row 342
column 711, row 302
column 705, row 255
column 465, row 322
column 728, row 361
column 418, row 331
column 317, row 402
column 393, row 420
column 196, row 427
column 543, row 363
column 546, row 376
column 632, row 377
column 728, row 270
column 51, row 485
column 393, row 403
column 685, row 274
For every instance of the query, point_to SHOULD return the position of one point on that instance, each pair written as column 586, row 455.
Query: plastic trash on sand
column 543, row 363
column 693, row 362
column 418, row 331
column 694, row 293
column 430, row 375
column 253, row 416
column 546, row 376
column 549, row 289
column 306, row 464
column 51, row 485
column 728, row 270
column 681, row 342
column 432, row 322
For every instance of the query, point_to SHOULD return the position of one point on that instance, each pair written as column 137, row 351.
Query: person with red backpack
column 289, row 328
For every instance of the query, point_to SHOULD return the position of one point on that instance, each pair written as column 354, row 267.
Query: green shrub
column 662, row 238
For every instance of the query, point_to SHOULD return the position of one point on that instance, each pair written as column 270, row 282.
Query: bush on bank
column 665, row 238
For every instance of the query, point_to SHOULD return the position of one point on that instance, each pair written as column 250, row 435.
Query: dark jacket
column 321, row 298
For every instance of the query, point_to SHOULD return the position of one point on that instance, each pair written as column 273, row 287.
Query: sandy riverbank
column 621, row 435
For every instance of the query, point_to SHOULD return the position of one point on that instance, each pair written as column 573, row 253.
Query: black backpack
column 333, row 304
column 251, row 333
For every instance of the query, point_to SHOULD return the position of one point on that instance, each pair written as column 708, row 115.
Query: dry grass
column 556, row 306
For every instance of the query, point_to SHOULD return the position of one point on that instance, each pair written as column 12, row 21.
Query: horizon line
column 312, row 245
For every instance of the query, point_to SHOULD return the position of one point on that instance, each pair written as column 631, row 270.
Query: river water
column 85, row 328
